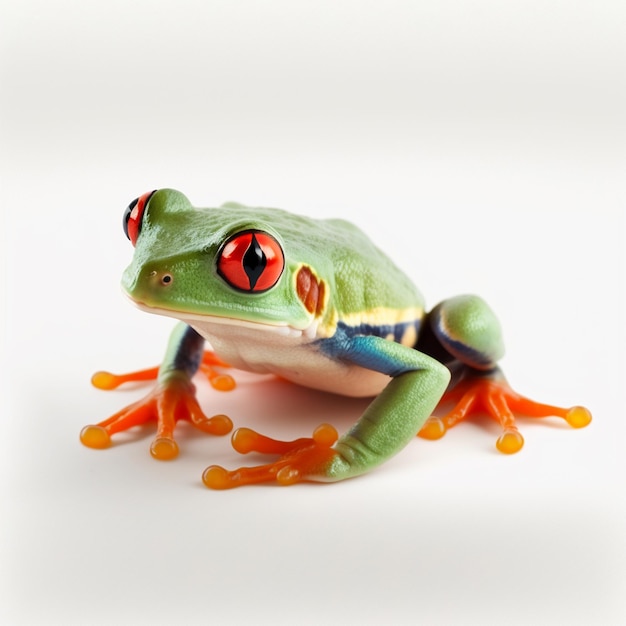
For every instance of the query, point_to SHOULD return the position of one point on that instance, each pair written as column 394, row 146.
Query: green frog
column 318, row 304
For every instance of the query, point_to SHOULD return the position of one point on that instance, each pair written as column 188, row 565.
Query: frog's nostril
column 163, row 278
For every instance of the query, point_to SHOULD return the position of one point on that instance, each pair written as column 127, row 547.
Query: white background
column 481, row 143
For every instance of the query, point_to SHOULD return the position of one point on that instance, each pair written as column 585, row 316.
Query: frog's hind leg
column 464, row 334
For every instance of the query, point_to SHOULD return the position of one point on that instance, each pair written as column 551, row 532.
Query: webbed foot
column 303, row 459
column 168, row 402
column 499, row 401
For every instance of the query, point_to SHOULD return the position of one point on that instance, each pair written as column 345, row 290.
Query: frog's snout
column 147, row 285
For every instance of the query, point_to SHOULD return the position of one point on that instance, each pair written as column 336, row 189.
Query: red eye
column 251, row 261
column 133, row 216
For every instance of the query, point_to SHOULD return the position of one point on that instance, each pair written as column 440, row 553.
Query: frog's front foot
column 309, row 458
column 496, row 398
column 169, row 401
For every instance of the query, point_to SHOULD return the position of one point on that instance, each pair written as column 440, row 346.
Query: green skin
column 342, row 346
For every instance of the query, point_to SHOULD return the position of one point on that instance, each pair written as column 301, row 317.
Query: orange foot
column 167, row 403
column 299, row 459
column 500, row 402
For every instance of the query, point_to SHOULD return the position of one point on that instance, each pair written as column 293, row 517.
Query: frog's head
column 233, row 263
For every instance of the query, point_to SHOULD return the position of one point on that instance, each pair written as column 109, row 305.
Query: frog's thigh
column 469, row 330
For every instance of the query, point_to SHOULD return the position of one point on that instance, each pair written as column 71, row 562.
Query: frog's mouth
column 199, row 320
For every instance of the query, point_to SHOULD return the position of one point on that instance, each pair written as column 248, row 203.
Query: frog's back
column 365, row 278
column 366, row 290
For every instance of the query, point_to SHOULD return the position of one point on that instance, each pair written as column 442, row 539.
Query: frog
column 317, row 303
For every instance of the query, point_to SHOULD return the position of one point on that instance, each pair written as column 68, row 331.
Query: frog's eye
column 251, row 261
column 133, row 216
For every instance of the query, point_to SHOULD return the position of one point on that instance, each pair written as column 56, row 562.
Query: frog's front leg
column 464, row 333
column 172, row 398
column 388, row 424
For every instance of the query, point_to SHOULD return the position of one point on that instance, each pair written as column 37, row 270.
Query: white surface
column 481, row 143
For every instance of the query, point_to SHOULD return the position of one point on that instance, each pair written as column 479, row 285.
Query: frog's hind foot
column 298, row 459
column 500, row 402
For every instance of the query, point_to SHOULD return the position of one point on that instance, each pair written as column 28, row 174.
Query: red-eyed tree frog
column 316, row 303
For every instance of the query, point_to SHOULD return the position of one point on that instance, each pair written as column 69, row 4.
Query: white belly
column 269, row 350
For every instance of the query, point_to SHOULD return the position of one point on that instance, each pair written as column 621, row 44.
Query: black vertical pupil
column 254, row 262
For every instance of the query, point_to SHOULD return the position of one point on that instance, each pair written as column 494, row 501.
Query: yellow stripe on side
column 383, row 316
column 379, row 316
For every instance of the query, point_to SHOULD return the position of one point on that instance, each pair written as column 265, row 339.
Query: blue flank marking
column 353, row 343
